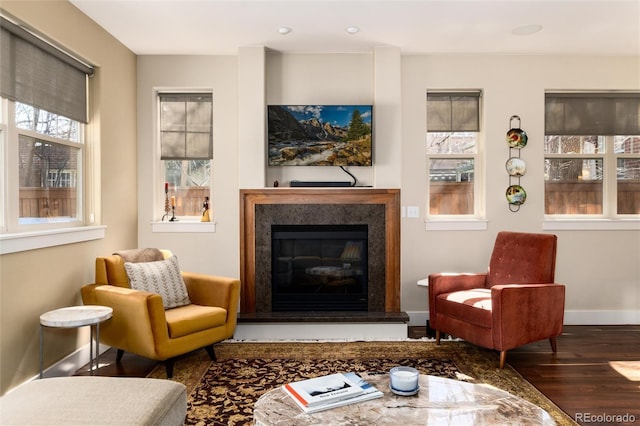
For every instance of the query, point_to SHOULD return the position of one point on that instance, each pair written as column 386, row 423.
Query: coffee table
column 440, row 401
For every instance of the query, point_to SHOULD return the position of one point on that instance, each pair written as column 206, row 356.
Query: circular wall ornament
column 517, row 138
column 516, row 195
column 516, row 166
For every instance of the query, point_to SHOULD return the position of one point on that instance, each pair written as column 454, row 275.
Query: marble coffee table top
column 76, row 316
column 440, row 401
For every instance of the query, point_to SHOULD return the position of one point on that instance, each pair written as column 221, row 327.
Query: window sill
column 591, row 224
column 183, row 227
column 456, row 225
column 23, row 241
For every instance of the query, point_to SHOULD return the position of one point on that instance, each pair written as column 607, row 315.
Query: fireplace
column 319, row 267
column 264, row 211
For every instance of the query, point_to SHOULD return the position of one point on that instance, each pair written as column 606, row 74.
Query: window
column 186, row 146
column 592, row 154
column 50, row 151
column 453, row 123
column 43, row 92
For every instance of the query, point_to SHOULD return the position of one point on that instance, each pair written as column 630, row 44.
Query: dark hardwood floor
column 595, row 376
column 581, row 378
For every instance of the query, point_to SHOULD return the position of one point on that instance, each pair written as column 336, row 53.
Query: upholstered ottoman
column 95, row 401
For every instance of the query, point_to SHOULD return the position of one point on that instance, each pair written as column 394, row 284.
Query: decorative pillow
column 162, row 277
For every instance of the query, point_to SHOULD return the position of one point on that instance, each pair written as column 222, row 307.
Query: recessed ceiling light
column 527, row 29
column 284, row 30
column 352, row 30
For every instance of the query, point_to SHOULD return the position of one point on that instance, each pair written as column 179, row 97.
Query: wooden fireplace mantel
column 249, row 198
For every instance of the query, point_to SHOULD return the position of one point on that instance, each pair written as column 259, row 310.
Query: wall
column 599, row 267
column 209, row 252
column 36, row 281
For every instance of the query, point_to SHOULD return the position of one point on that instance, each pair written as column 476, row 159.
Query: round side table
column 74, row 317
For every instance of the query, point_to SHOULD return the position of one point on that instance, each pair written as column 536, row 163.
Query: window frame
column 609, row 218
column 160, row 223
column 17, row 237
column 21, row 238
column 475, row 220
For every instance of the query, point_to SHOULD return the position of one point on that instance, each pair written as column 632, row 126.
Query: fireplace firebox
column 319, row 267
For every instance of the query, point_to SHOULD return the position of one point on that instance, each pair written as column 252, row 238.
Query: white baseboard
column 571, row 317
column 67, row 366
column 320, row 331
column 601, row 317
column 71, row 363
column 345, row 331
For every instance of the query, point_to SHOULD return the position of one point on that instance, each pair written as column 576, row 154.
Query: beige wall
column 589, row 261
column 600, row 268
column 214, row 253
column 36, row 281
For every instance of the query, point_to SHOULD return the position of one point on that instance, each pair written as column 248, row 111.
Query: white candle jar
column 404, row 379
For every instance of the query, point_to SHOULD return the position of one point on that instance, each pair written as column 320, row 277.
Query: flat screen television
column 319, row 135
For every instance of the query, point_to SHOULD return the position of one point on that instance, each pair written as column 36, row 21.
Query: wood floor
column 581, row 378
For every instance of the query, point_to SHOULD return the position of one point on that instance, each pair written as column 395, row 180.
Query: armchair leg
column 211, row 353
column 168, row 365
column 437, row 337
column 554, row 346
column 119, row 355
column 503, row 358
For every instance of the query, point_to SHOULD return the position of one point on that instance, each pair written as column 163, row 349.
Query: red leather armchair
column 516, row 302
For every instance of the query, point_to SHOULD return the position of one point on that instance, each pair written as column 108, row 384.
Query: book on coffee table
column 322, row 390
column 364, row 392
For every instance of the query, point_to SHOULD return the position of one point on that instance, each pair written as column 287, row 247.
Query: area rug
column 223, row 392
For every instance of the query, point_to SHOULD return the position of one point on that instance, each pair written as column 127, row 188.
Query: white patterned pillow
column 162, row 277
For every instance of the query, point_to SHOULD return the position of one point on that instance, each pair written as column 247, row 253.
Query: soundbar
column 306, row 183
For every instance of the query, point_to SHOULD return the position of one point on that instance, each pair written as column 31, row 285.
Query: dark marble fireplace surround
column 372, row 215
column 379, row 209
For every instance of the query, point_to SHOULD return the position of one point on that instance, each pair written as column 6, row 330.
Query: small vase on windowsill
column 206, row 212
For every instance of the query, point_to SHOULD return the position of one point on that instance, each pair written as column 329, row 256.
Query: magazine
column 322, row 390
column 368, row 392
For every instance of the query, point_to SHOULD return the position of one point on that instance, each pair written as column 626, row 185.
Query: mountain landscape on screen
column 319, row 135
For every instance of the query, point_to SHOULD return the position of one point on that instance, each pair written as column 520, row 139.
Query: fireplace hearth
column 319, row 268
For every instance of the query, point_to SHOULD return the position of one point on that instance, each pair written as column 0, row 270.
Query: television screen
column 319, row 135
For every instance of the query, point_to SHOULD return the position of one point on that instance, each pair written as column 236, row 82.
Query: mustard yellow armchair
column 142, row 325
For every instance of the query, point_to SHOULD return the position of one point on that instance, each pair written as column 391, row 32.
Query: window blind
column 453, row 111
column 592, row 114
column 34, row 72
column 186, row 129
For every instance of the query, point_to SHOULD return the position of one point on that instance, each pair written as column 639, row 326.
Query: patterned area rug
column 224, row 392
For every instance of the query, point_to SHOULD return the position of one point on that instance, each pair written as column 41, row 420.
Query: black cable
column 354, row 178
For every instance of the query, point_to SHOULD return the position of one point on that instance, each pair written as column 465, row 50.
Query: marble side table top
column 76, row 316
column 440, row 401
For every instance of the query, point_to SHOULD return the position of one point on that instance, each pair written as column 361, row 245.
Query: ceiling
column 219, row 27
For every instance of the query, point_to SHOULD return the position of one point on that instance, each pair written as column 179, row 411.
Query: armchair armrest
column 138, row 321
column 524, row 313
column 448, row 282
column 211, row 290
